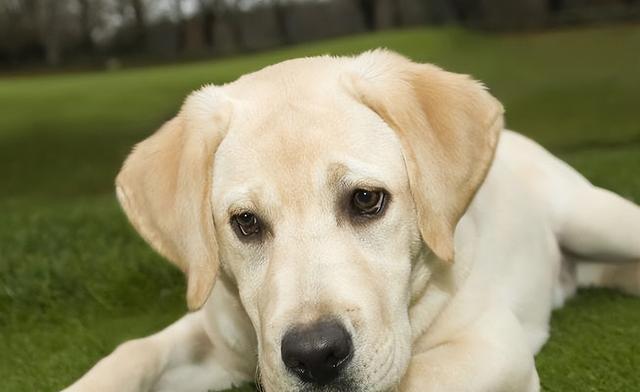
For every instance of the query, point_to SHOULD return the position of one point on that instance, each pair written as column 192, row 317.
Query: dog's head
column 317, row 186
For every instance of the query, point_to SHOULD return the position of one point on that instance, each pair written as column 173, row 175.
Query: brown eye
column 247, row 223
column 366, row 202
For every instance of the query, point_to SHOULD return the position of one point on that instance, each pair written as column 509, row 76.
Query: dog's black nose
column 317, row 353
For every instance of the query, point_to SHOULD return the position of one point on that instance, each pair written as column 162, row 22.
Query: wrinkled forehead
column 287, row 148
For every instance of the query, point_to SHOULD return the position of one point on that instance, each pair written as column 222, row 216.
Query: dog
column 361, row 224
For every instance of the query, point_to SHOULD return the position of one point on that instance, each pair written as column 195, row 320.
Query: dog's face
column 316, row 225
column 313, row 186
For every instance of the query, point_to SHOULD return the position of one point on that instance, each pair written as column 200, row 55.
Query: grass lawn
column 75, row 279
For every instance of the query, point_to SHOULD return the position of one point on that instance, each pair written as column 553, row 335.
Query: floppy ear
column 448, row 125
column 164, row 188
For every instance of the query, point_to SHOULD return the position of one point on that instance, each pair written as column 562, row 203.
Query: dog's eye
column 247, row 223
column 366, row 202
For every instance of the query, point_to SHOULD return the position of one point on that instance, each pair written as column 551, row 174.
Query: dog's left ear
column 164, row 188
column 448, row 125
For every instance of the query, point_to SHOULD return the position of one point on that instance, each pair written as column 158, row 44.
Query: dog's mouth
column 347, row 386
column 353, row 379
column 345, row 383
column 324, row 357
column 339, row 386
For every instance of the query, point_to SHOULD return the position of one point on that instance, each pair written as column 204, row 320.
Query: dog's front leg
column 181, row 357
column 491, row 355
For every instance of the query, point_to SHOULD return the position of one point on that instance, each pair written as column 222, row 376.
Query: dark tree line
column 55, row 32
column 46, row 30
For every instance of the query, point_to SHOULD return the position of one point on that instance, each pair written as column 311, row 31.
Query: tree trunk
column 368, row 10
column 86, row 41
column 282, row 21
column 398, row 18
column 141, row 25
column 180, row 26
column 387, row 13
column 208, row 15
column 233, row 14
column 50, row 33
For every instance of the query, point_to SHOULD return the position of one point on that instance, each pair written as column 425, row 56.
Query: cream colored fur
column 450, row 290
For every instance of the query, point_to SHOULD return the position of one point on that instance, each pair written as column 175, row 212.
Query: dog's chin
column 337, row 387
column 343, row 387
column 340, row 386
column 346, row 384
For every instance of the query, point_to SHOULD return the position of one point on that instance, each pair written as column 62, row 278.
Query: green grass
column 75, row 279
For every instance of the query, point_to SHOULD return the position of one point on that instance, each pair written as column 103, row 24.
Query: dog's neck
column 434, row 283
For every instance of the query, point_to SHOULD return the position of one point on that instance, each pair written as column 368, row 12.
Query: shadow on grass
column 63, row 164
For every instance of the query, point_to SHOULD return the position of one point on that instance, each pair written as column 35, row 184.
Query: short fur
column 451, row 289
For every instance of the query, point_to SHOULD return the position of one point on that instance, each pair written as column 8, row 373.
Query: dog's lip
column 347, row 387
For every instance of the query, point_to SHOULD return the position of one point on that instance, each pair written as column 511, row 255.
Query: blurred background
column 110, row 33
column 81, row 81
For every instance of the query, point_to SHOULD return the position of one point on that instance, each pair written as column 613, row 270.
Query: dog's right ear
column 164, row 188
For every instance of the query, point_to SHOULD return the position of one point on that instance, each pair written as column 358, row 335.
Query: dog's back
column 537, row 230
column 591, row 224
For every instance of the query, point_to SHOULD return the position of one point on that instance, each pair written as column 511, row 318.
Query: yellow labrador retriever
column 360, row 224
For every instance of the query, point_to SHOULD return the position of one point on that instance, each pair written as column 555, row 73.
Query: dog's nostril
column 317, row 353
